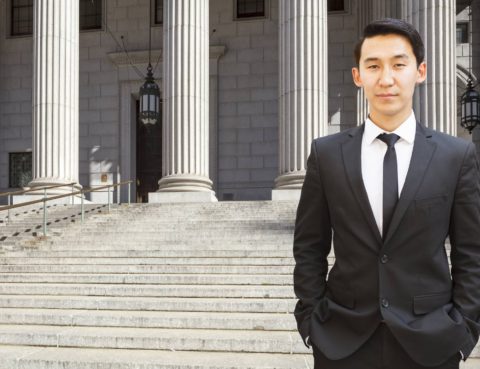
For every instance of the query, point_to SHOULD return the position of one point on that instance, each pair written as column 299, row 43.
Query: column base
column 290, row 181
column 184, row 183
column 39, row 193
column 285, row 195
column 183, row 188
column 288, row 186
column 180, row 197
column 42, row 182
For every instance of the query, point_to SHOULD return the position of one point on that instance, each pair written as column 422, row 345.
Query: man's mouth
column 386, row 95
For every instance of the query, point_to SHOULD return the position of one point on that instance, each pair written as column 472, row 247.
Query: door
column 149, row 156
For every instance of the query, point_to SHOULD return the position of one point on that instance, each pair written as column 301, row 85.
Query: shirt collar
column 406, row 130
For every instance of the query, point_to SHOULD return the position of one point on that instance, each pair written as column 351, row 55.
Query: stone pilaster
column 435, row 101
column 55, row 93
column 185, row 173
column 303, row 89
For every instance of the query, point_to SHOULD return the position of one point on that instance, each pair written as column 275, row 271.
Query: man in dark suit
column 390, row 192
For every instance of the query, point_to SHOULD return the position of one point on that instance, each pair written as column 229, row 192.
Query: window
column 250, row 9
column 158, row 12
column 462, row 33
column 21, row 17
column 336, row 5
column 20, row 169
column 91, row 15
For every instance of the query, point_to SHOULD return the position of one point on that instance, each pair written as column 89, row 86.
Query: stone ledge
column 168, row 197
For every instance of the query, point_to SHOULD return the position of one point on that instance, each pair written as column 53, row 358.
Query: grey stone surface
column 120, row 291
column 147, row 277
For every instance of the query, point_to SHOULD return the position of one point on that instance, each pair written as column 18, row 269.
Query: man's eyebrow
column 401, row 56
column 375, row 59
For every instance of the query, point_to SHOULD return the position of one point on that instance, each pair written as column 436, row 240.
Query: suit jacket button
column 385, row 303
column 384, row 259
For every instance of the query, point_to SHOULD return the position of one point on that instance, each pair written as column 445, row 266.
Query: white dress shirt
column 373, row 152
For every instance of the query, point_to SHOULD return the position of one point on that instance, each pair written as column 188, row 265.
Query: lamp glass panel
column 468, row 109
column 152, row 106
column 144, row 103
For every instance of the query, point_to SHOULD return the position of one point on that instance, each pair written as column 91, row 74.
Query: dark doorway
column 149, row 156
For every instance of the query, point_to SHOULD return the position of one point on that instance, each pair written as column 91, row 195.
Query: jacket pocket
column 423, row 304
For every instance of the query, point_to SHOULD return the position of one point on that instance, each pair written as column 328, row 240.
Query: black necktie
column 390, row 179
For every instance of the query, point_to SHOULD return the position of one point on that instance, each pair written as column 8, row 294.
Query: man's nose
column 386, row 77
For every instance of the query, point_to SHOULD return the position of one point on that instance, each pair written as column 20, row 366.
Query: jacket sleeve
column 465, row 247
column 311, row 245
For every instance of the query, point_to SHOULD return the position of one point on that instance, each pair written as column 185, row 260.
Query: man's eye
column 400, row 65
column 373, row 67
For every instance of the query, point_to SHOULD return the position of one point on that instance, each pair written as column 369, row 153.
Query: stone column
column 367, row 11
column 475, row 23
column 435, row 101
column 185, row 175
column 303, row 89
column 383, row 9
column 55, row 93
column 364, row 16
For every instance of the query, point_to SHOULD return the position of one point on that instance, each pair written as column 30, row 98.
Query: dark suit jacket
column 404, row 280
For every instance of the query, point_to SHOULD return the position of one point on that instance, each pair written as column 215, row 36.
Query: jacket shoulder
column 335, row 138
column 446, row 141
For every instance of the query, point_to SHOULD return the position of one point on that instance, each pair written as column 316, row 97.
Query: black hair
column 389, row 26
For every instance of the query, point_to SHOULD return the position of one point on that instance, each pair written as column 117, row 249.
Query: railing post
column 44, row 212
column 118, row 187
column 83, row 210
column 73, row 197
column 8, row 209
column 108, row 199
column 129, row 192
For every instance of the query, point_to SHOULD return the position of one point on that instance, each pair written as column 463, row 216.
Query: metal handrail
column 73, row 193
column 34, row 189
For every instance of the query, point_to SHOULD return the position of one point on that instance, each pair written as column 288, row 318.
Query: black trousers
column 381, row 351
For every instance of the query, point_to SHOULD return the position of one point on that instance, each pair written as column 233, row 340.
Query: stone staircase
column 149, row 286
column 153, row 286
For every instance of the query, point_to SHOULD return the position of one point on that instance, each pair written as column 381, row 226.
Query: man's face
column 388, row 73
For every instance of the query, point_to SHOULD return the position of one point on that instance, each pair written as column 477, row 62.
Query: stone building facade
column 244, row 91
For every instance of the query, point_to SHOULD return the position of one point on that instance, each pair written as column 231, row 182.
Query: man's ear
column 356, row 77
column 421, row 72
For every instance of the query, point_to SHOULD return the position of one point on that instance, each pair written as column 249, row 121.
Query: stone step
column 160, row 252
column 214, row 340
column 220, row 304
column 170, row 229
column 147, row 269
column 214, row 244
column 113, row 235
column 24, row 357
column 202, row 291
column 230, row 221
column 192, row 279
column 147, row 261
column 150, row 319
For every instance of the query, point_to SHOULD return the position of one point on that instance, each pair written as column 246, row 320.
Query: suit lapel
column 352, row 160
column 422, row 153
